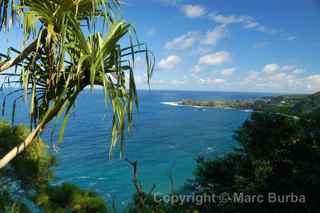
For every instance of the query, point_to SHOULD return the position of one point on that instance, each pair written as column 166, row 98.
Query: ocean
column 165, row 141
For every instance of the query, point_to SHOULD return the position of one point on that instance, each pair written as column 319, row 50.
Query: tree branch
column 6, row 65
column 18, row 149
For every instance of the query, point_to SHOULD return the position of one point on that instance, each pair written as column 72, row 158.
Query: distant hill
column 308, row 104
column 287, row 104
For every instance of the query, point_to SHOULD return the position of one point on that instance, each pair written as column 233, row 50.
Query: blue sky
column 225, row 45
column 247, row 45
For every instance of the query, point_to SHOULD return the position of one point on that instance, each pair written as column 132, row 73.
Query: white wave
column 171, row 103
column 228, row 108
column 210, row 149
column 248, row 110
column 83, row 177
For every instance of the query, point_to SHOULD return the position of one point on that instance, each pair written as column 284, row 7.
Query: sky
column 225, row 45
column 230, row 45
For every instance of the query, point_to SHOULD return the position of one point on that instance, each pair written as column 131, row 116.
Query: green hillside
column 289, row 104
column 309, row 104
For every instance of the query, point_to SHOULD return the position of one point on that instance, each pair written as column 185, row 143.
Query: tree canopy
column 71, row 45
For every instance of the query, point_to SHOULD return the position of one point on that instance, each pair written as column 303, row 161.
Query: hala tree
column 65, row 54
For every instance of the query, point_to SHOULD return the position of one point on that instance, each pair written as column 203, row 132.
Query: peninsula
column 290, row 104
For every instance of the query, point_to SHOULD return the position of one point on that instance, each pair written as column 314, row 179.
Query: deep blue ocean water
column 165, row 140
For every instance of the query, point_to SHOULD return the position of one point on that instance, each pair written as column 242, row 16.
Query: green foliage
column 70, row 198
column 26, row 180
column 308, row 104
column 237, row 104
column 277, row 154
column 31, row 169
column 149, row 204
column 10, row 205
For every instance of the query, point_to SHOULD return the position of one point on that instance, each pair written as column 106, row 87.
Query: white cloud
column 314, row 80
column 183, row 42
column 140, row 79
column 250, row 23
column 195, row 70
column 276, row 78
column 213, row 36
column 246, row 21
column 197, row 40
column 161, row 83
column 177, row 82
column 289, row 67
column 298, row 71
column 280, row 76
column 222, row 19
column 273, row 69
column 228, row 71
column 193, row 11
column 252, row 76
column 170, row 62
column 211, row 81
column 215, row 58
column 270, row 68
column 201, row 50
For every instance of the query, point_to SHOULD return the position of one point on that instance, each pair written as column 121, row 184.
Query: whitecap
column 210, row 149
column 84, row 177
column 170, row 103
column 227, row 108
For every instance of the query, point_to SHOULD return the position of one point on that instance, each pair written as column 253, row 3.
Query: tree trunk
column 6, row 65
column 19, row 148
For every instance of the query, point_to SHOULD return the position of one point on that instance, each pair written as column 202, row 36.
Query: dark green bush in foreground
column 277, row 154
column 24, row 183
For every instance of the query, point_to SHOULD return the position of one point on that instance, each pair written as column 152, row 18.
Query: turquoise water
column 166, row 140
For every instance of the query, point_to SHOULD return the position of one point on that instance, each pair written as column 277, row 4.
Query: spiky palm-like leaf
column 63, row 58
